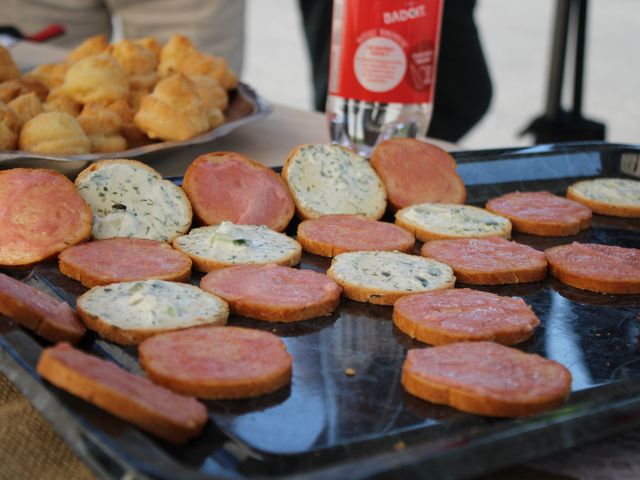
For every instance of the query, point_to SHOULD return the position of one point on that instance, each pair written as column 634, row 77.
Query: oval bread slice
column 488, row 261
column 617, row 197
column 129, row 312
column 431, row 221
column 41, row 214
column 541, row 213
column 463, row 314
column 131, row 199
column 416, row 172
column 486, row 378
column 112, row 260
column 274, row 293
column 227, row 186
column 331, row 235
column 228, row 244
column 326, row 179
column 594, row 267
column 383, row 277
column 218, row 363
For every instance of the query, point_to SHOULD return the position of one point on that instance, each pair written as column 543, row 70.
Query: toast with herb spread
column 384, row 277
column 130, row 199
column 329, row 179
column 617, row 197
column 129, row 312
column 434, row 221
column 228, row 244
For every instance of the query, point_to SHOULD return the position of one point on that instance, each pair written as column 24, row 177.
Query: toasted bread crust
column 94, row 273
column 425, row 235
column 92, row 279
column 210, row 213
column 377, row 297
column 475, row 277
column 603, row 206
column 130, row 336
column 204, row 264
column 219, row 392
column 282, row 314
column 594, row 285
column 468, row 402
column 87, row 384
column 481, row 379
column 232, row 366
column 440, row 337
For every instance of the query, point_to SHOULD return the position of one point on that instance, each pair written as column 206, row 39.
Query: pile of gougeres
column 111, row 97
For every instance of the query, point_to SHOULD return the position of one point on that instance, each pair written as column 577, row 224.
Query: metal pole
column 578, row 79
column 558, row 53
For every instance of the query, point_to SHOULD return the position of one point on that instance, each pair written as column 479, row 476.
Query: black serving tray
column 327, row 424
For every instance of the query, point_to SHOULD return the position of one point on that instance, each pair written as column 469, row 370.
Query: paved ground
column 517, row 37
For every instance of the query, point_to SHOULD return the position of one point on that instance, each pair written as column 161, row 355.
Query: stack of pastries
column 111, row 97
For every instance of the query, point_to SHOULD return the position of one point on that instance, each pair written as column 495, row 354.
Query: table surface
column 43, row 454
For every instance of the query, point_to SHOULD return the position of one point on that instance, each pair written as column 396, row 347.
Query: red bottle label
column 385, row 50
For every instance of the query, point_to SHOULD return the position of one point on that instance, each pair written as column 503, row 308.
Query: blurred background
column 517, row 40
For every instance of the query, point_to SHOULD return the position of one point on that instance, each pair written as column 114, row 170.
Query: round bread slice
column 331, row 235
column 598, row 268
column 227, row 186
column 102, row 262
column 383, row 277
column 228, row 244
column 327, row 179
column 617, row 197
column 165, row 414
column 42, row 214
column 416, row 172
column 274, row 293
column 130, row 199
column 129, row 312
column 217, row 363
column 462, row 314
column 488, row 261
column 486, row 378
column 541, row 213
column 431, row 221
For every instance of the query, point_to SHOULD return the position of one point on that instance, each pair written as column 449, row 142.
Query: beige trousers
column 216, row 26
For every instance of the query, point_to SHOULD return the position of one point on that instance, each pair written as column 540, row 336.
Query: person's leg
column 215, row 26
column 316, row 20
column 463, row 85
column 80, row 18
